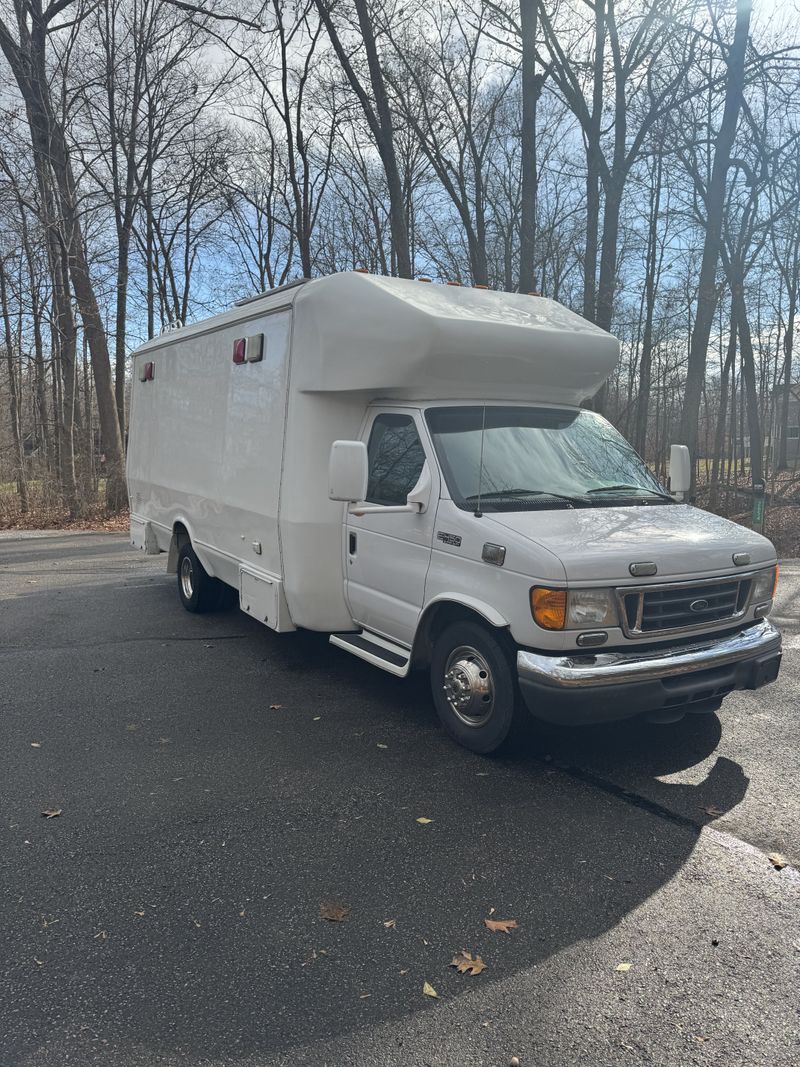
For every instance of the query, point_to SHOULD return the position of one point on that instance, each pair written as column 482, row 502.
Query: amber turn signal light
column 549, row 607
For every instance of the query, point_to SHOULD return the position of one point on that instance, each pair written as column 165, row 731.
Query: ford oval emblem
column 698, row 605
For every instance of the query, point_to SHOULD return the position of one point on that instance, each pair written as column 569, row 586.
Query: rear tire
column 199, row 592
column 474, row 687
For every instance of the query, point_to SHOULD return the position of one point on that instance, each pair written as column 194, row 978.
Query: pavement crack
column 206, row 639
column 662, row 812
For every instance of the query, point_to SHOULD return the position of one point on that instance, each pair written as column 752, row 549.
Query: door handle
column 352, row 544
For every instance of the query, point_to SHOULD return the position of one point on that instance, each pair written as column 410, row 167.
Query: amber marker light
column 549, row 607
column 775, row 583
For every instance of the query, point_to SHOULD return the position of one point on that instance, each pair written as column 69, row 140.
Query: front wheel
column 474, row 687
column 198, row 591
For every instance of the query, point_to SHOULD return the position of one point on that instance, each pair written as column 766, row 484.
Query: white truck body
column 232, row 424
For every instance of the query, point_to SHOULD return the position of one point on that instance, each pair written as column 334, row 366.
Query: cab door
column 387, row 556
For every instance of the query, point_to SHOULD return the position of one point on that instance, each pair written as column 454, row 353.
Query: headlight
column 591, row 607
column 574, row 609
column 764, row 585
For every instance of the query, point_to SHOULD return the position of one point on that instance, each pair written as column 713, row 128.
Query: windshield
column 538, row 458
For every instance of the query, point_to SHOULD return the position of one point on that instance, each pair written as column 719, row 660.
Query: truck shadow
column 293, row 777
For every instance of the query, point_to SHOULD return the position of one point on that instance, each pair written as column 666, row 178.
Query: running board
column 377, row 650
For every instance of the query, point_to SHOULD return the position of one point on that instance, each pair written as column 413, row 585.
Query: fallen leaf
column 51, row 813
column 275, row 707
column 500, row 926
column 140, row 914
column 423, row 821
column 364, row 996
column 778, row 861
column 390, row 924
column 196, row 923
column 465, row 963
column 36, row 744
column 334, row 913
column 316, row 718
column 103, row 935
column 404, row 972
column 429, row 991
column 40, row 963
column 623, row 967
column 712, row 810
column 241, row 914
column 379, row 745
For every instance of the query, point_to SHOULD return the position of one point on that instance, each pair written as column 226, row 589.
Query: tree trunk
column 13, row 397
column 719, row 432
column 531, row 86
column 715, row 205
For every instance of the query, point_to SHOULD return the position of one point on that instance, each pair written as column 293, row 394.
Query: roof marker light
column 480, row 287
column 360, row 270
column 455, row 283
column 423, row 279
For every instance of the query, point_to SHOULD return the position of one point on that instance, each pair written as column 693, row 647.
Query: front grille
column 683, row 605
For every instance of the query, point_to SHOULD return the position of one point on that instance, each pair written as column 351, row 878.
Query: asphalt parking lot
column 217, row 783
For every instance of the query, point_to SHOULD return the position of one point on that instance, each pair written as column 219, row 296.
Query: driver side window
column 396, row 458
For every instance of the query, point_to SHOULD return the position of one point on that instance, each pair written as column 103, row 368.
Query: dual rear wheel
column 199, row 592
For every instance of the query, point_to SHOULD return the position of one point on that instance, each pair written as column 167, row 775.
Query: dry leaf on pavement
column 713, row 810
column 51, row 813
column 274, row 707
column 501, row 926
column 623, row 967
column 465, row 963
column 423, row 821
column 334, row 913
column 429, row 991
column 390, row 924
column 777, row 860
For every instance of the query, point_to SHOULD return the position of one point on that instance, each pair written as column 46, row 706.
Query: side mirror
column 680, row 470
column 348, row 471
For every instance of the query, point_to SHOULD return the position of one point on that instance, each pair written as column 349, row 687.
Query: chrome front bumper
column 577, row 670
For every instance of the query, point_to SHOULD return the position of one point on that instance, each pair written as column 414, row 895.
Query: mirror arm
column 380, row 509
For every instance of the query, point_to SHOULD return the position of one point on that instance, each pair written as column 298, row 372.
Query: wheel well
column 180, row 536
column 435, row 619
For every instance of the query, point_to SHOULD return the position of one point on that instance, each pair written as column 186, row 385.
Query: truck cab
column 526, row 555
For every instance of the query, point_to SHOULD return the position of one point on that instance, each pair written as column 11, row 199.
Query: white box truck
column 407, row 467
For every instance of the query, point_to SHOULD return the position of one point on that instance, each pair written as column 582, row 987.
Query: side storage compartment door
column 262, row 597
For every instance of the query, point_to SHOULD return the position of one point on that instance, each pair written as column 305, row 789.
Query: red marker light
column 239, row 349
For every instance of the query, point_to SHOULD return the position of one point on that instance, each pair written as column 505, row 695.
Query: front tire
column 199, row 592
column 474, row 687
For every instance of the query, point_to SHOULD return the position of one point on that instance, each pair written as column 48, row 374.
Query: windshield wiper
column 500, row 493
column 639, row 488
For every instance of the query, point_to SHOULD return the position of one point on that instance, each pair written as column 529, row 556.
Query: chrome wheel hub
column 469, row 686
column 187, row 578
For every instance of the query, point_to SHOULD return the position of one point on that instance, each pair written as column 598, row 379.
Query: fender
column 492, row 615
column 421, row 649
column 172, row 558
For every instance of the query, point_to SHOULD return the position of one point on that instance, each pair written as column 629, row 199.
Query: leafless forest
column 638, row 160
